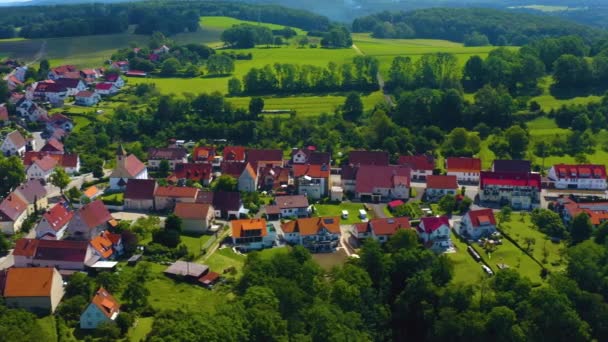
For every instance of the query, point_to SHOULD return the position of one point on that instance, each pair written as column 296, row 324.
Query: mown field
column 223, row 23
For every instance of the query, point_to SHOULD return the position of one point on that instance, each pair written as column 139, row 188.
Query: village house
column 30, row 110
column 102, row 248
column 87, row 98
column 380, row 229
column 259, row 158
column 61, row 254
column 196, row 217
column 192, row 272
column 51, row 92
column 13, row 82
column 312, row 180
column 173, row 155
column 309, row 155
column 422, row 165
column 62, row 71
column 106, row 89
column 435, row 233
column 348, row 178
column 253, row 234
column 520, row 191
column 53, row 146
column 571, row 206
column 115, row 79
column 204, row 154
column 127, row 167
column 317, row 234
column 382, row 183
column 439, row 186
column 121, row 65
column 226, row 204
column 289, row 206
column 41, row 168
column 274, row 178
column 580, row 177
column 139, row 194
column 14, row 144
column 4, row 119
column 72, row 85
column 233, row 154
column 68, row 161
column 89, row 221
column 166, row 197
column 201, row 173
column 54, row 222
column 34, row 194
column 104, row 308
column 466, row 170
column 38, row 290
column 13, row 211
column 90, row 75
column 511, row 166
column 476, row 224
column 161, row 50
column 362, row 157
column 59, row 121
column 248, row 180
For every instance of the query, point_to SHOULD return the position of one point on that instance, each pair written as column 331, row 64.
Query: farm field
column 222, row 23
column 548, row 253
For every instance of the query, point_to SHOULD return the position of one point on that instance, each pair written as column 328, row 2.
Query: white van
column 362, row 214
column 345, row 214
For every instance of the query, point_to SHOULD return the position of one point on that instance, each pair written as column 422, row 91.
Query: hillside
column 500, row 27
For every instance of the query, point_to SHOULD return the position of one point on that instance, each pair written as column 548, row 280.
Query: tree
column 447, row 204
column 60, row 178
column 4, row 92
column 473, row 75
column 352, row 107
column 170, row 66
column 235, row 87
column 109, row 281
column 256, row 106
column 108, row 331
column 542, row 149
column 5, row 245
column 79, row 285
column 136, row 294
column 173, row 222
column 581, row 228
column 221, row 64
column 225, row 183
column 570, row 71
column 71, row 308
column 518, row 139
column 193, row 70
column 505, row 214
column 12, row 173
column 601, row 233
column 163, row 168
column 124, row 321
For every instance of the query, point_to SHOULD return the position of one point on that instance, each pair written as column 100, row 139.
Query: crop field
column 223, row 23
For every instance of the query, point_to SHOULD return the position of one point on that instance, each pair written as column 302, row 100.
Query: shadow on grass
column 570, row 93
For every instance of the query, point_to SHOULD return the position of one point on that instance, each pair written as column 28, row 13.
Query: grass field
column 194, row 243
column 336, row 210
column 223, row 23
column 139, row 332
column 466, row 270
column 225, row 258
column 548, row 253
column 548, row 101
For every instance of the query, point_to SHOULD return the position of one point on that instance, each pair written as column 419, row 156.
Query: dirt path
column 379, row 78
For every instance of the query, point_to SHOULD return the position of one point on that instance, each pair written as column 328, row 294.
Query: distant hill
column 501, row 27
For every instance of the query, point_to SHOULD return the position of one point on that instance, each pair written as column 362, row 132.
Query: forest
column 168, row 17
column 498, row 26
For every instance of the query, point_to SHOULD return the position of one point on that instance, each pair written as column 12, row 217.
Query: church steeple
column 120, row 151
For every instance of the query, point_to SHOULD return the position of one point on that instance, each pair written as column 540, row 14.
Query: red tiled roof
column 167, row 153
column 104, row 86
column 65, row 160
column 395, row 203
column 85, row 93
column 58, row 216
column 16, row 138
column 209, row 278
column 46, row 163
column 112, row 77
column 64, row 68
column 133, row 165
column 69, row 82
column 295, row 201
column 349, row 172
column 12, row 207
column 175, row 191
column 226, row 200
column 431, row 224
column 32, row 190
column 192, row 211
column 3, row 113
column 254, row 156
column 463, row 164
column 232, row 169
column 419, row 162
column 368, row 158
column 107, row 304
column 387, row 177
column 52, row 145
column 312, row 225
column 580, row 171
column 481, row 216
column 25, row 247
column 233, row 153
column 29, row 282
column 94, row 214
column 191, row 171
column 61, row 250
column 103, row 246
column 203, row 153
column 240, row 227
column 140, row 189
column 441, row 182
column 511, row 166
column 389, row 226
column 509, row 179
column 314, row 171
column 48, row 87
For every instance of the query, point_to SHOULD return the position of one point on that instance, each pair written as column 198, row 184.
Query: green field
column 466, row 270
column 195, row 243
column 548, row 101
column 141, row 329
column 225, row 258
column 336, row 210
column 548, row 253
column 223, row 23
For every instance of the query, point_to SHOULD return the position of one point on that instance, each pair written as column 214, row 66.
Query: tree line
column 293, row 78
column 169, row 17
column 498, row 27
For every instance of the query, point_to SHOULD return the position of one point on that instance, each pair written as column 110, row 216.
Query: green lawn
column 466, row 270
column 336, row 210
column 139, row 332
column 548, row 101
column 48, row 326
column 194, row 243
column 223, row 23
column 115, row 197
column 548, row 253
column 516, row 259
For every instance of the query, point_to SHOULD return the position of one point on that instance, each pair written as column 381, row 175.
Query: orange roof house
column 103, row 308
column 37, row 289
